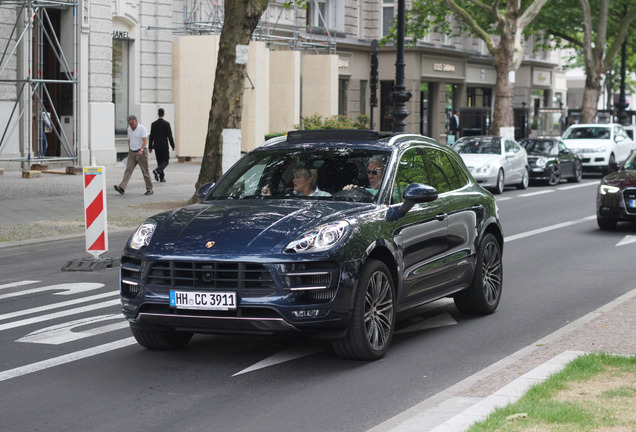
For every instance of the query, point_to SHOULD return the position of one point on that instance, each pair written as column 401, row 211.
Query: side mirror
column 414, row 193
column 203, row 190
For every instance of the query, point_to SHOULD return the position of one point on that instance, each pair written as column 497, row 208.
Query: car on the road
column 616, row 196
column 601, row 147
column 399, row 222
column 494, row 161
column 551, row 161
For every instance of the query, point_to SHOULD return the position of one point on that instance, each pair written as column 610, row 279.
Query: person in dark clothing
column 453, row 126
column 160, row 135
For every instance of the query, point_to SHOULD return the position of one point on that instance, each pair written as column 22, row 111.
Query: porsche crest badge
column 209, row 244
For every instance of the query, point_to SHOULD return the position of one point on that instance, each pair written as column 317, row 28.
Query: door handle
column 477, row 207
column 441, row 216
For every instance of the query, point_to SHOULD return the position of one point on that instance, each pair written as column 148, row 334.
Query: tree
column 499, row 24
column 240, row 19
column 585, row 26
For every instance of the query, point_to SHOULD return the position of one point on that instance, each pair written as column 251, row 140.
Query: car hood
column 621, row 179
column 586, row 143
column 232, row 228
column 477, row 160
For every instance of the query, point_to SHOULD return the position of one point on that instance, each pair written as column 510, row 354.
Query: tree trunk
column 591, row 94
column 240, row 19
column 504, row 90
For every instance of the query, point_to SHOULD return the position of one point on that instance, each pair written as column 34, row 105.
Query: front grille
column 209, row 275
column 629, row 195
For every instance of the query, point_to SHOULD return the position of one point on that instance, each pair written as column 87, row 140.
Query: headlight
column 143, row 234
column 484, row 169
column 541, row 162
column 320, row 238
column 607, row 189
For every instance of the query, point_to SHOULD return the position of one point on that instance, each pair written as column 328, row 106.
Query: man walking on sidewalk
column 160, row 134
column 137, row 155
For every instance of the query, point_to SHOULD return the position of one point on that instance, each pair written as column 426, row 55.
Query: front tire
column 499, row 187
column 373, row 318
column 606, row 224
column 555, row 175
column 161, row 340
column 484, row 293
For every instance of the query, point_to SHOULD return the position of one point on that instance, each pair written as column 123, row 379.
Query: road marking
column 17, row 284
column 57, row 305
column 580, row 185
column 292, row 353
column 627, row 240
column 441, row 320
column 67, row 358
column 548, row 228
column 530, row 194
column 503, row 199
column 62, row 314
column 63, row 333
column 68, row 289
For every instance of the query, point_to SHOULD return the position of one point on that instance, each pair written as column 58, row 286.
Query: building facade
column 74, row 70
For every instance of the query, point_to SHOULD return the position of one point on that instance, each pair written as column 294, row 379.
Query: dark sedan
column 325, row 233
column 551, row 161
column 616, row 196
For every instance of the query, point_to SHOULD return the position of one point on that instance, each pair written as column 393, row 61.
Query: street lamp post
column 623, row 118
column 400, row 96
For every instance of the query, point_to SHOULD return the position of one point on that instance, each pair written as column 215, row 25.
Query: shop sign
column 443, row 67
column 120, row 35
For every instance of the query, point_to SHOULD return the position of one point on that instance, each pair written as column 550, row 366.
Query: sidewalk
column 53, row 206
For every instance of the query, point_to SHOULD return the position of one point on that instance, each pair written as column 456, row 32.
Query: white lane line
column 580, row 185
column 67, row 289
column 547, row 229
column 67, row 358
column 17, row 284
column 39, row 309
column 503, row 199
column 62, row 314
column 530, row 194
column 68, row 332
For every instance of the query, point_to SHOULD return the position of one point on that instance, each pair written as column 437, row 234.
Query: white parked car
column 494, row 162
column 600, row 146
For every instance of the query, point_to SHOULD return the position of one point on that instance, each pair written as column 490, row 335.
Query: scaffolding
column 42, row 76
column 277, row 27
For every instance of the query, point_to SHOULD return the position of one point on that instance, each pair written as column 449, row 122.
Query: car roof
column 356, row 138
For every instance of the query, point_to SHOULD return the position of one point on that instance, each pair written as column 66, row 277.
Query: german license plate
column 220, row 301
column 632, row 203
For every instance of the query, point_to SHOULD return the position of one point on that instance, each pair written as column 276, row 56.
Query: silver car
column 494, row 162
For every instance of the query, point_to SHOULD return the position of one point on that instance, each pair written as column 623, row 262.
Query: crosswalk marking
column 67, row 289
column 38, row 309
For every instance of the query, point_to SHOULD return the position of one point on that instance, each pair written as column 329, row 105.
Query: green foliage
column 315, row 121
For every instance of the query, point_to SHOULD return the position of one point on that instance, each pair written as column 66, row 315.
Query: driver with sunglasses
column 375, row 172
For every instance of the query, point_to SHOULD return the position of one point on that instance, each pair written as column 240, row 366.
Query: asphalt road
column 68, row 361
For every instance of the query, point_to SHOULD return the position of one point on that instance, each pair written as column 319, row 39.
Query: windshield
column 591, row 132
column 480, row 146
column 340, row 174
column 630, row 164
column 546, row 147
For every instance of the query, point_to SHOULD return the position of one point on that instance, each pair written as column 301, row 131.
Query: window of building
column 120, row 84
column 326, row 14
column 388, row 16
column 343, row 93
column 479, row 96
column 363, row 97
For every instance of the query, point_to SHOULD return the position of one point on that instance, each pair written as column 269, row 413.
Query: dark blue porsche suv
column 327, row 233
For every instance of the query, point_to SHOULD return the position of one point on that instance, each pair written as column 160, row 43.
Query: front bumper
column 596, row 162
column 310, row 297
column 487, row 180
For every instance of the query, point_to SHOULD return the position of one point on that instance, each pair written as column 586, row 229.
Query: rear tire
column 484, row 293
column 525, row 180
column 161, row 340
column 373, row 318
column 578, row 173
